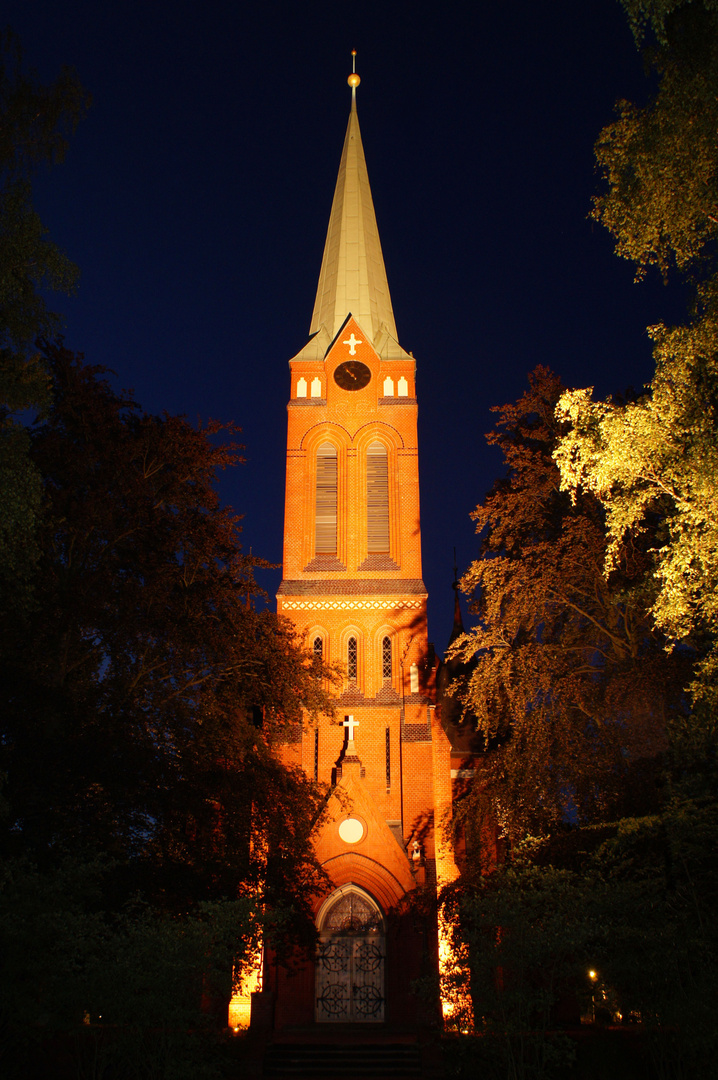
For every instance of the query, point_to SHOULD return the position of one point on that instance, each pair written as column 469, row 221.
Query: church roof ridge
column 352, row 276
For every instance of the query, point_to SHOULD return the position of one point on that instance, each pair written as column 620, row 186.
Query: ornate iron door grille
column 350, row 964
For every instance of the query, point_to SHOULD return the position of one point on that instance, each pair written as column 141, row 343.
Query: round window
column 351, row 830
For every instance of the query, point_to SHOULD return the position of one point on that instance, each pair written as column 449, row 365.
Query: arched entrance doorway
column 350, row 959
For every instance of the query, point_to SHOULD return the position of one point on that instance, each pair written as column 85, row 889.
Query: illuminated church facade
column 352, row 581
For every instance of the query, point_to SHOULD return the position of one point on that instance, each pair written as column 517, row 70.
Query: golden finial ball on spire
column 354, row 79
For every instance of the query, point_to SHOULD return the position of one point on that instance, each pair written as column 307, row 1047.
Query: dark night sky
column 196, row 195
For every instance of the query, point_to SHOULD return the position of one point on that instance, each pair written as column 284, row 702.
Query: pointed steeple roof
column 352, row 277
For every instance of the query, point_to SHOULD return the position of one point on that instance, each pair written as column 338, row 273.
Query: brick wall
column 367, row 596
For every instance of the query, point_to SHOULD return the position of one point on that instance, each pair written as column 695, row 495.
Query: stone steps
column 358, row 1061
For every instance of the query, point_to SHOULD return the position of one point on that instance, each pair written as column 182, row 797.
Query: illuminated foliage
column 645, row 14
column 570, row 686
column 657, row 458
column 659, row 160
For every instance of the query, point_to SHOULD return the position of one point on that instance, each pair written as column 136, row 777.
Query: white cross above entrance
column 350, row 723
column 352, row 342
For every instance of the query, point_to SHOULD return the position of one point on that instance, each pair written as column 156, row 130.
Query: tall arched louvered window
column 386, row 659
column 352, row 659
column 326, row 500
column 377, row 498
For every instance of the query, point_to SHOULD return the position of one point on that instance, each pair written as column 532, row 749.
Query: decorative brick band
column 387, row 696
column 349, row 605
column 351, row 696
column 417, row 699
column 378, row 561
column 352, row 587
column 397, row 401
column 299, row 402
column 326, row 562
column 416, row 733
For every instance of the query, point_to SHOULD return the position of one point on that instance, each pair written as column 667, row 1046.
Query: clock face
column 352, row 375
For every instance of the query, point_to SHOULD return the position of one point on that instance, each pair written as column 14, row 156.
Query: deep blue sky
column 196, row 194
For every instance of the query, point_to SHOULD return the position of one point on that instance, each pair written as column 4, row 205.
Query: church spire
column 458, row 628
column 352, row 277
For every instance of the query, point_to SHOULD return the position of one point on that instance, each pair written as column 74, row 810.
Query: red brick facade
column 368, row 597
column 352, row 579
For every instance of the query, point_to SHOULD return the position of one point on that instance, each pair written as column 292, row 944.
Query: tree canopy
column 36, row 121
column 657, row 457
column 148, row 830
column 618, row 926
column 143, row 692
column 570, row 685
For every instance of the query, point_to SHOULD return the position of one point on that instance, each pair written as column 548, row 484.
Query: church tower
column 352, row 580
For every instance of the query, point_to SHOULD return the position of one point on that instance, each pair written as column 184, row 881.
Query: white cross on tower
column 350, row 723
column 352, row 342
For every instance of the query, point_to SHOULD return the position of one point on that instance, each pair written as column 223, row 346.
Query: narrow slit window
column 388, row 759
column 326, row 500
column 386, row 658
column 352, row 659
column 377, row 498
column 318, row 650
column 316, row 755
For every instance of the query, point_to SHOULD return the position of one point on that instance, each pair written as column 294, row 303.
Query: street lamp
column 593, row 975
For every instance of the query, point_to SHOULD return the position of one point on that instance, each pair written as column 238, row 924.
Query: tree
column 35, row 123
column 658, row 160
column 143, row 694
column 653, row 894
column 570, row 686
column 632, row 902
column 526, row 932
column 120, row 993
column 622, row 573
column 657, row 457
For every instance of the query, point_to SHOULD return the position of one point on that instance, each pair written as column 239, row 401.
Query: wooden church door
column 350, row 960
